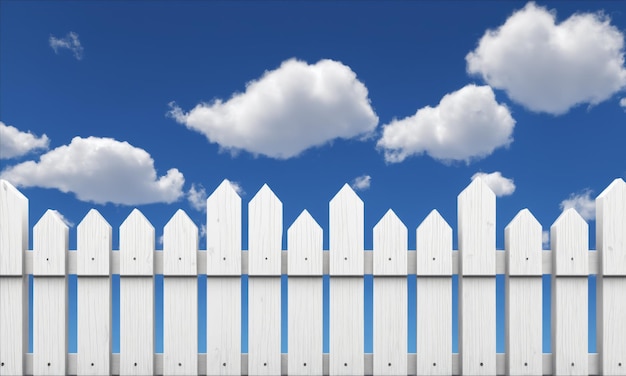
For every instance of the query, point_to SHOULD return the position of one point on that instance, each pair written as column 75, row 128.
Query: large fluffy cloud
column 500, row 185
column 467, row 124
column 99, row 170
column 548, row 66
column 14, row 143
column 287, row 110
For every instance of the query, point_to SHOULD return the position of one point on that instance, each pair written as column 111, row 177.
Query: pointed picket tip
column 346, row 193
column 523, row 218
column 304, row 220
column 181, row 217
column 305, row 246
column 94, row 237
column 477, row 188
column 10, row 191
column 51, row 218
column 523, row 244
column 434, row 246
column 180, row 245
column 135, row 218
column 389, row 217
column 610, row 225
column 13, row 229
column 265, row 193
column 93, row 218
column 433, row 220
column 567, row 217
column 390, row 246
column 224, row 189
column 617, row 186
column 50, row 241
column 569, row 237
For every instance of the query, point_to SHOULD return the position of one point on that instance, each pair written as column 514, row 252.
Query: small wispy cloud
column 196, row 196
column 237, row 187
column 582, row 203
column 500, row 185
column 622, row 103
column 545, row 239
column 67, row 222
column 361, row 183
column 202, row 231
column 68, row 42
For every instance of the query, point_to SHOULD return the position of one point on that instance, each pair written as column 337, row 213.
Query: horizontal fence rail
column 305, row 262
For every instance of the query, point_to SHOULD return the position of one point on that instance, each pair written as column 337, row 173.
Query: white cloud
column 362, row 183
column 14, row 143
column 197, row 197
column 67, row 222
column 237, row 187
column 99, row 170
column 622, row 103
column 69, row 42
column 467, row 124
column 202, row 231
column 288, row 110
column 582, row 203
column 545, row 239
column 550, row 67
column 500, row 185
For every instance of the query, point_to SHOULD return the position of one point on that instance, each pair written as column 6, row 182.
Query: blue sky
column 117, row 105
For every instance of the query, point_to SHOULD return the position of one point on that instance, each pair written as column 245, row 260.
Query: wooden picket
column 223, row 264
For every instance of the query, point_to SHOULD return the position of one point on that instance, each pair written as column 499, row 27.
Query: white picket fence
column 434, row 262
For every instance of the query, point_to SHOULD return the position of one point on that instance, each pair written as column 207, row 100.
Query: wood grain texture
column 569, row 243
column 50, row 243
column 523, row 325
column 434, row 246
column 346, row 233
column 94, row 325
column 94, row 237
column 522, row 241
column 180, row 246
column 223, row 232
column 264, row 326
column 346, row 326
column 304, row 243
column 390, row 246
column 305, row 330
column 265, row 231
column 611, row 325
column 611, row 228
column 390, row 325
column 180, row 325
column 434, row 325
column 223, row 339
column 13, row 324
column 477, row 325
column 13, row 229
column 477, row 235
column 49, row 325
column 136, row 325
column 136, row 246
column 569, row 325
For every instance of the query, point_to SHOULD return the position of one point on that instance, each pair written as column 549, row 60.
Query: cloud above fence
column 548, row 66
column 466, row 125
column 361, row 183
column 286, row 111
column 100, row 170
column 583, row 203
column 500, row 185
column 15, row 143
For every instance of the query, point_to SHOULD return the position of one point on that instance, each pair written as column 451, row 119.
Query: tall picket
column 223, row 285
column 305, row 318
column 136, row 295
column 13, row 279
column 50, row 243
column 570, row 261
column 477, row 283
column 93, row 255
column 522, row 238
column 611, row 282
column 180, row 296
column 265, row 228
column 346, row 283
column 434, row 296
column 390, row 296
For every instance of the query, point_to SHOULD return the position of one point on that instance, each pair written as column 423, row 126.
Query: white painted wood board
column 264, row 325
column 476, row 231
column 49, row 325
column 611, row 228
column 136, row 246
column 94, row 325
column 390, row 246
column 180, row 246
column 523, row 243
column 50, row 243
column 433, row 242
column 223, row 340
column 13, row 229
column 611, row 324
column 569, row 325
column 94, row 237
column 390, row 325
column 523, row 325
column 305, row 325
column 477, row 325
column 434, row 326
column 346, row 326
column 13, row 324
column 180, row 325
column 223, row 256
column 304, row 244
column 569, row 243
column 346, row 234
column 136, row 325
column 265, row 233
